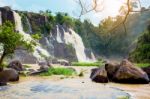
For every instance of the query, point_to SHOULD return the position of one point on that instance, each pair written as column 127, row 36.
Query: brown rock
column 99, row 75
column 16, row 64
column 111, row 69
column 128, row 73
column 147, row 70
column 8, row 75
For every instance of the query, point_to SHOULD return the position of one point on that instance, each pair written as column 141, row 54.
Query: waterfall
column 71, row 37
column 0, row 18
column 76, row 41
column 38, row 50
column 49, row 45
column 29, row 25
column 58, row 37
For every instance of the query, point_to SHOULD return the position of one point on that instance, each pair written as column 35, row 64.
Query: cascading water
column 62, row 36
column 38, row 49
column 58, row 37
column 29, row 25
column 76, row 41
column 49, row 45
column 70, row 37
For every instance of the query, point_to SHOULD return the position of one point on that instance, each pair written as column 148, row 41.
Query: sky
column 70, row 6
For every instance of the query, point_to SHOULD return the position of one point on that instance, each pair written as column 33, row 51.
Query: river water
column 70, row 88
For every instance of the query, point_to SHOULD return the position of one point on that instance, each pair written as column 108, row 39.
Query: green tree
column 11, row 40
column 142, row 51
column 64, row 18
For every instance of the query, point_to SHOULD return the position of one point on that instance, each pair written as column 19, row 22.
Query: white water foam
column 38, row 50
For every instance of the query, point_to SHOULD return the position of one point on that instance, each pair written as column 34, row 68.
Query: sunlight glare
column 112, row 7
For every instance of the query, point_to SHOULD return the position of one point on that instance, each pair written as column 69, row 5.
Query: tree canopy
column 11, row 40
column 142, row 51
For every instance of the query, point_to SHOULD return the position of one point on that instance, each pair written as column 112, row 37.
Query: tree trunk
column 1, row 60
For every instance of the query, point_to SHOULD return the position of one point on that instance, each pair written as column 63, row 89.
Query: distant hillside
column 117, row 43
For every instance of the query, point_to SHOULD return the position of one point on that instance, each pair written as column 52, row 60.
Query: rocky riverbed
column 36, row 87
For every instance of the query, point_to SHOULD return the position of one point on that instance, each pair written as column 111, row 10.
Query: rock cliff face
column 60, row 42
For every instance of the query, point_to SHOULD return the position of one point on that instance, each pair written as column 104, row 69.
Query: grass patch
column 142, row 64
column 123, row 97
column 26, row 66
column 98, row 64
column 59, row 71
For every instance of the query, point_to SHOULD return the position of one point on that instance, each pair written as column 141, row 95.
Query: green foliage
column 64, row 18
column 58, row 71
column 142, row 51
column 142, row 64
column 98, row 64
column 11, row 40
column 36, row 36
column 26, row 66
column 50, row 20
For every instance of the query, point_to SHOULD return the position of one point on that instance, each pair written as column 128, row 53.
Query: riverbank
column 73, row 87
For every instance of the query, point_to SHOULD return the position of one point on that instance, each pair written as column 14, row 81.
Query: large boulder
column 147, row 70
column 111, row 69
column 128, row 73
column 16, row 64
column 99, row 75
column 8, row 75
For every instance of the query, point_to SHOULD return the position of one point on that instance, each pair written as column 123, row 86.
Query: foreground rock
column 147, row 70
column 128, row 73
column 8, row 75
column 16, row 64
column 125, row 72
column 43, row 68
column 99, row 75
column 111, row 69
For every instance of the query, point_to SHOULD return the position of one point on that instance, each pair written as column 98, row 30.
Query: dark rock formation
column 128, row 73
column 8, row 75
column 99, row 75
column 111, row 69
column 147, row 70
column 16, row 64
column 24, row 56
column 64, row 51
column 7, row 14
column 125, row 72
